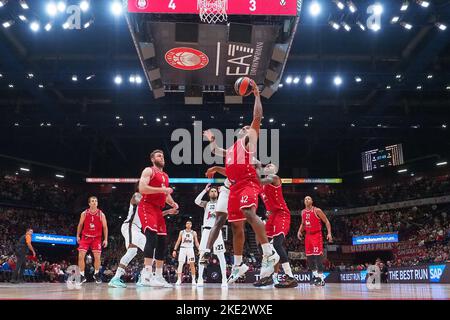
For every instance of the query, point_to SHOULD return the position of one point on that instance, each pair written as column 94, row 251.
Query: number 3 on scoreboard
column 172, row 5
column 252, row 5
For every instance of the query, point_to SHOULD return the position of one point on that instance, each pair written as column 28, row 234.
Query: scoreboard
column 234, row 7
column 380, row 158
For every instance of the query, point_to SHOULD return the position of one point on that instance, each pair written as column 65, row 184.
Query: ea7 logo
column 436, row 272
column 240, row 61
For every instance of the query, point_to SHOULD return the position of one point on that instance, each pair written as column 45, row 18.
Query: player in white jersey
column 134, row 239
column 209, row 219
column 187, row 238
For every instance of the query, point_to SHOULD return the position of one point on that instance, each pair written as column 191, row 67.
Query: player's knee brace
column 128, row 256
column 160, row 252
column 150, row 243
column 279, row 248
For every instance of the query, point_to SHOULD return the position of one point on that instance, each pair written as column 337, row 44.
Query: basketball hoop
column 212, row 11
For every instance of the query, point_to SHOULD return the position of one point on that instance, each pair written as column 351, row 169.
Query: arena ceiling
column 97, row 126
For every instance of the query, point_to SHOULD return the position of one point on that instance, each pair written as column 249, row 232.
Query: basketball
column 244, row 86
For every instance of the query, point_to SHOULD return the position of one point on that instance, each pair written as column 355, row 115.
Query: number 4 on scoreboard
column 172, row 5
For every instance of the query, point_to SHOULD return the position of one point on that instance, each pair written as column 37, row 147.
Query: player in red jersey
column 92, row 226
column 277, row 225
column 312, row 219
column 244, row 193
column 154, row 187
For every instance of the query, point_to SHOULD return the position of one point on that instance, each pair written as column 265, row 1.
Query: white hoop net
column 213, row 11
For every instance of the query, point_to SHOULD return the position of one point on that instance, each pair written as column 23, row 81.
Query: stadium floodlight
column 424, row 4
column 116, row 8
column 84, row 5
column 351, row 6
column 406, row 25
column 337, row 81
column 315, row 8
column 22, row 17
column 441, row 26
column 368, row 177
column 296, row 80
column 440, row 164
column 51, row 9
column 48, row 26
column 61, row 6
column 24, row 169
column 339, row 4
column 404, row 6
column 24, row 5
column 35, row 26
column 361, row 26
column 118, row 80
column 289, row 80
column 138, row 79
column 358, row 79
column 346, row 26
column 335, row 25
column 402, row 170
column 7, row 24
column 308, row 80
column 377, row 9
column 395, row 19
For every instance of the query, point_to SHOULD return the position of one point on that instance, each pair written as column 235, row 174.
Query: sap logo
column 436, row 272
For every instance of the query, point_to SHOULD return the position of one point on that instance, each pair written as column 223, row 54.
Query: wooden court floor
column 332, row 291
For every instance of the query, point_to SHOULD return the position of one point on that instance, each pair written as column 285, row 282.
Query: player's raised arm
column 257, row 112
column 198, row 201
column 324, row 218
column 144, row 188
column 213, row 145
column 105, row 230
column 80, row 225
column 213, row 170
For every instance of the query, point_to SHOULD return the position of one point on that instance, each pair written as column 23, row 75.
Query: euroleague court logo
column 142, row 4
column 186, row 58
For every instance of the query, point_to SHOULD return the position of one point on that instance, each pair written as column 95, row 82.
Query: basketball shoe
column 237, row 272
column 268, row 264
column 117, row 283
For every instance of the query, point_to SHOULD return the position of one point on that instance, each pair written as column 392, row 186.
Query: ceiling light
column 24, row 169
column 132, row 79
column 337, row 80
column 430, row 76
column 60, row 176
column 315, row 9
column 361, row 26
column 116, row 8
column 402, row 170
column 84, row 5
column 88, row 24
column 358, row 79
column 24, row 4
column 51, row 9
column 61, row 6
column 368, row 177
column 441, row 26
column 424, row 4
column 404, row 6
column 138, row 79
column 335, row 25
column 406, row 25
column 48, row 26
column 339, row 4
column 346, row 26
column 289, row 80
column 308, row 80
column 296, row 80
column 35, row 26
column 443, row 163
column 118, row 80
column 74, row 78
column 7, row 24
column 22, row 17
column 351, row 6
column 90, row 77
column 395, row 19
column 377, row 9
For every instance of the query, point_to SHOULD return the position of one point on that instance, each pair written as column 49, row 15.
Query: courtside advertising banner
column 53, row 239
column 376, row 238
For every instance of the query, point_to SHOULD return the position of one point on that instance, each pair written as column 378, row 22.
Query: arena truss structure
column 180, row 53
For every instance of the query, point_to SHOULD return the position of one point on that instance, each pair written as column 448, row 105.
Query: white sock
column 223, row 265
column 200, row 271
column 267, row 249
column 120, row 272
column 315, row 274
column 149, row 269
column 207, row 250
column 287, row 269
column 158, row 272
column 96, row 271
column 82, row 273
column 237, row 260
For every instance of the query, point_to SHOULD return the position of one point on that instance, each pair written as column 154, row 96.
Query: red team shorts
column 151, row 218
column 93, row 243
column 278, row 223
column 243, row 194
column 314, row 244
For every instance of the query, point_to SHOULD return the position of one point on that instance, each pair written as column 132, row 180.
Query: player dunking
column 154, row 186
column 278, row 224
column 92, row 226
column 244, row 193
column 312, row 219
column 187, row 238
column 209, row 219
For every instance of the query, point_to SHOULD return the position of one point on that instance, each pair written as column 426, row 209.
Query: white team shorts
column 222, row 202
column 186, row 253
column 136, row 236
column 218, row 247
